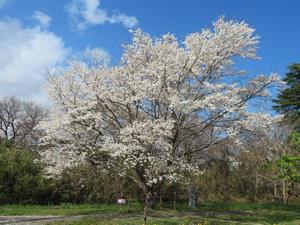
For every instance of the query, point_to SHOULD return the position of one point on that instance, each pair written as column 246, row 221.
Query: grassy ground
column 150, row 221
column 64, row 209
column 186, row 220
column 207, row 213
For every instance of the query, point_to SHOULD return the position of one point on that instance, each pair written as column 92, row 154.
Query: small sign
column 121, row 201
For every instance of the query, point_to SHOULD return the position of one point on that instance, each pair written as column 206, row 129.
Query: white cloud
column 2, row 3
column 25, row 53
column 88, row 12
column 98, row 54
column 42, row 18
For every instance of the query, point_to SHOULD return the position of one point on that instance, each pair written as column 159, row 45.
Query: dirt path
column 28, row 220
column 40, row 220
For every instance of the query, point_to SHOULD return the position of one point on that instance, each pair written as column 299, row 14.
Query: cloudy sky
column 36, row 35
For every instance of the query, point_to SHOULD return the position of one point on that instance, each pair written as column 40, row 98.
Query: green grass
column 64, row 209
column 150, row 221
column 208, row 213
column 169, row 221
column 244, row 206
column 264, row 213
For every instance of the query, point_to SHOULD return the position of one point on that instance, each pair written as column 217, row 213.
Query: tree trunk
column 276, row 198
column 150, row 199
column 192, row 190
column 275, row 190
column 284, row 192
column 256, row 186
column 150, row 192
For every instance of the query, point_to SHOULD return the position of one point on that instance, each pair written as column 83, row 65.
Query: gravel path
column 37, row 220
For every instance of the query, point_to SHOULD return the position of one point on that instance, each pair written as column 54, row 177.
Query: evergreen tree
column 288, row 101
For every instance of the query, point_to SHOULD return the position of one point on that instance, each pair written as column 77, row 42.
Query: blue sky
column 40, row 34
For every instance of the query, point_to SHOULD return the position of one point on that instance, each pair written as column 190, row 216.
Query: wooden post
column 145, row 215
column 129, row 199
column 121, row 198
column 174, row 204
column 160, row 201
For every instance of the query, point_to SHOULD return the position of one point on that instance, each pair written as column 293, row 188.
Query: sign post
column 120, row 202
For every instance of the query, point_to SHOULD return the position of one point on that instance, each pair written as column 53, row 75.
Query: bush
column 22, row 177
column 85, row 183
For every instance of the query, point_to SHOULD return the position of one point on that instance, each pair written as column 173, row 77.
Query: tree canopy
column 288, row 101
column 155, row 114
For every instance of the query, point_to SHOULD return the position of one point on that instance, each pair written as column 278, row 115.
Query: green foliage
column 295, row 140
column 289, row 168
column 21, row 175
column 288, row 101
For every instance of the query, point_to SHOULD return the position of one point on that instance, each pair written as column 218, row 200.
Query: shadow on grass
column 268, row 213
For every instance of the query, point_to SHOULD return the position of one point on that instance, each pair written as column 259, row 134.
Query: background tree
column 18, row 120
column 288, row 101
column 22, row 177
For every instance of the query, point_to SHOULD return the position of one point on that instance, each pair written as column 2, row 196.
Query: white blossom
column 162, row 105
